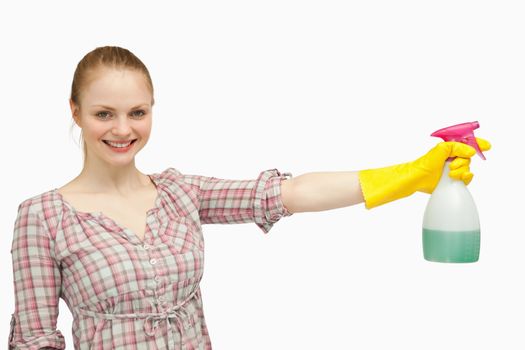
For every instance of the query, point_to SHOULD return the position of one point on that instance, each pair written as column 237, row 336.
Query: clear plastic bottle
column 451, row 229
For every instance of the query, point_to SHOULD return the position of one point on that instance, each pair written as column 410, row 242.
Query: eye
column 138, row 113
column 102, row 115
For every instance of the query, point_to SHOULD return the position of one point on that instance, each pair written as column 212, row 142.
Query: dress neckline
column 157, row 204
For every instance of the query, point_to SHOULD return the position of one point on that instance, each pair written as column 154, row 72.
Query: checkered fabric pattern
column 124, row 292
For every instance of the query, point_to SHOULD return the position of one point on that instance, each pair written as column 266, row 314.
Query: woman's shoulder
column 40, row 202
column 45, row 207
column 174, row 178
column 169, row 173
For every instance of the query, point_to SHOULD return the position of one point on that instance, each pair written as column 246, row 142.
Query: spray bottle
column 451, row 230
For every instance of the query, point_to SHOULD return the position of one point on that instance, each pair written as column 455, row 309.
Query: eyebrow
column 112, row 109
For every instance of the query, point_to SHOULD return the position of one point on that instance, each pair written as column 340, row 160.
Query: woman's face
column 115, row 105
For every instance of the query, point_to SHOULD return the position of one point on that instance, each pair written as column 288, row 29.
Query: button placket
column 152, row 223
column 148, row 248
column 160, row 290
column 160, row 299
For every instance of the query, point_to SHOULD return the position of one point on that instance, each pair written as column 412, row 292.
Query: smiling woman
column 125, row 249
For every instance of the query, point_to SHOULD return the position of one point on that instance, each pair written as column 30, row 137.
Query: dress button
column 153, row 261
column 145, row 246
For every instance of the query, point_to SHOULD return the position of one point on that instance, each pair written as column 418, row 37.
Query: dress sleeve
column 227, row 201
column 37, row 284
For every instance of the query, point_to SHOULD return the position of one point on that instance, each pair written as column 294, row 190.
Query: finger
column 459, row 173
column 459, row 162
column 452, row 149
column 458, row 149
column 467, row 177
column 483, row 144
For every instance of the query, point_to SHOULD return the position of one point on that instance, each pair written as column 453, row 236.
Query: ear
column 75, row 112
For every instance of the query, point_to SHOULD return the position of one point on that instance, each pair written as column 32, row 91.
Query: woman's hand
column 431, row 164
column 383, row 185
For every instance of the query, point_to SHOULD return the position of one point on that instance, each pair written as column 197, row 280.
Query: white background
column 301, row 86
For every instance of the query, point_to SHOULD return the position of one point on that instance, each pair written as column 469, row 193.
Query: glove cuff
column 384, row 185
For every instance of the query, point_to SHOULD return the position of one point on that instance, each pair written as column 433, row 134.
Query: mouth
column 119, row 144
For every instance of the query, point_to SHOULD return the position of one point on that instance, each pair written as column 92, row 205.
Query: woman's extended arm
column 319, row 191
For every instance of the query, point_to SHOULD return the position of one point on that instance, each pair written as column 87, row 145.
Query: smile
column 119, row 143
column 119, row 146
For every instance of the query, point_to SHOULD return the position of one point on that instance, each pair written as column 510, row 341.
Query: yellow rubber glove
column 383, row 185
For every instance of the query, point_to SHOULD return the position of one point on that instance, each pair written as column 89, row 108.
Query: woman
column 125, row 249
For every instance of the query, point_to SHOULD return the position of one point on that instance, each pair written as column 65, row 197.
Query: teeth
column 118, row 145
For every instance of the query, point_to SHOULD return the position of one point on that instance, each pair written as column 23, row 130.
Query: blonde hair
column 106, row 56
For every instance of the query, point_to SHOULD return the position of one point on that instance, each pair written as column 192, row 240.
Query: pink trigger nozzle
column 463, row 133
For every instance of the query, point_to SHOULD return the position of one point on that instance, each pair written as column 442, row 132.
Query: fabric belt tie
column 176, row 311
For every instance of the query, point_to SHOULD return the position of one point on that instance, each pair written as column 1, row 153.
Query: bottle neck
column 445, row 178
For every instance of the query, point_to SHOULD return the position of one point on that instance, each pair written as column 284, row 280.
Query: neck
column 99, row 176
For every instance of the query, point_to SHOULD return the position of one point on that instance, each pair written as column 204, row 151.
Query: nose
column 121, row 126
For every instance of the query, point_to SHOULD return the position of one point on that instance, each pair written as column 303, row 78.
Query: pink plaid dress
column 125, row 293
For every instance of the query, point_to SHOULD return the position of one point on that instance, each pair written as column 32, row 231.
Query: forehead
column 112, row 86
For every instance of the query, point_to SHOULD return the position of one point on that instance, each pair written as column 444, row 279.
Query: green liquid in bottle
column 451, row 246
